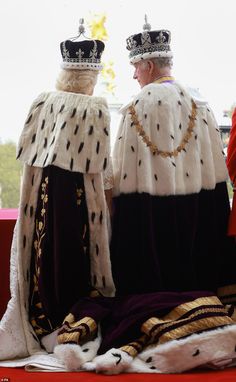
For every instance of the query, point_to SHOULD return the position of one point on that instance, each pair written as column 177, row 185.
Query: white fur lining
column 149, row 55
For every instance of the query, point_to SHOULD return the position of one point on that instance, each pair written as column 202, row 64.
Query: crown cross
column 65, row 52
column 131, row 43
column 94, row 51
column 147, row 26
column 161, row 38
column 146, row 39
column 80, row 54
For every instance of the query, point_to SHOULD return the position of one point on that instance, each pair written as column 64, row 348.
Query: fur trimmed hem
column 214, row 348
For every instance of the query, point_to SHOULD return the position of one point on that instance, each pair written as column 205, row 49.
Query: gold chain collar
column 153, row 148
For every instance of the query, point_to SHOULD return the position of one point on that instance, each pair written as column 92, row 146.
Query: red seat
column 7, row 222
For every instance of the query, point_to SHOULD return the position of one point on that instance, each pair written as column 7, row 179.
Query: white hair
column 160, row 62
column 77, row 81
column 163, row 62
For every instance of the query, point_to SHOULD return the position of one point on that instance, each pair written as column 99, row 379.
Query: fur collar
column 163, row 111
column 67, row 130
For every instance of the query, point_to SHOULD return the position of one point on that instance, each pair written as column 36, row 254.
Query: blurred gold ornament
column 97, row 28
column 110, row 87
column 108, row 71
column 108, row 74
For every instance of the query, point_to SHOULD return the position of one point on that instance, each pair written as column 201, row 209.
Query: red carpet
column 19, row 375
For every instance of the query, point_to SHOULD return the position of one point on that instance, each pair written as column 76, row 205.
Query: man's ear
column 150, row 66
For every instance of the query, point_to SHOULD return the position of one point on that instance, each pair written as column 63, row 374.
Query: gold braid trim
column 69, row 338
column 154, row 149
column 180, row 310
column 135, row 347
column 195, row 327
column 69, row 319
column 154, row 326
column 77, row 331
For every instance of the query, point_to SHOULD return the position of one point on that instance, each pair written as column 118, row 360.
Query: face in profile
column 142, row 73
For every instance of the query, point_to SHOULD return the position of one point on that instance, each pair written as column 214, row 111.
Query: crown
column 149, row 44
column 82, row 54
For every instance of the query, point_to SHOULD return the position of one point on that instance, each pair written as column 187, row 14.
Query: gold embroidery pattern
column 80, row 200
column 40, row 233
column 153, row 148
column 79, row 193
column 40, row 225
column 95, row 293
column 39, row 319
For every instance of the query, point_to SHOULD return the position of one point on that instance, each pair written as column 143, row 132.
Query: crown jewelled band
column 149, row 44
